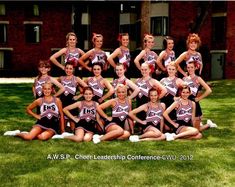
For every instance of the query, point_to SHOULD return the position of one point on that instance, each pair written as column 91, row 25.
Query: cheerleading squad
column 166, row 107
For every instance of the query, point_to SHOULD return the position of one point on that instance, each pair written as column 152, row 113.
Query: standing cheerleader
column 95, row 55
column 122, row 52
column 87, row 120
column 148, row 56
column 153, row 124
column 116, row 127
column 166, row 56
column 120, row 71
column 70, row 53
column 193, row 43
column 185, row 116
column 99, row 84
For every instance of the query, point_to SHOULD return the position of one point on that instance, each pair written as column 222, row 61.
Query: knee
column 42, row 137
column 87, row 139
column 119, row 132
column 27, row 137
column 195, row 131
column 199, row 136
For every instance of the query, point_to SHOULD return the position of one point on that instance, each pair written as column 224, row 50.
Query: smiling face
column 120, row 70
column 149, row 43
column 170, row 44
column 72, row 40
column 145, row 70
column 125, row 41
column 171, row 70
column 98, row 42
column 153, row 95
column 97, row 70
column 44, row 70
column 121, row 92
column 191, row 68
column 47, row 89
column 88, row 94
column 69, row 69
column 185, row 93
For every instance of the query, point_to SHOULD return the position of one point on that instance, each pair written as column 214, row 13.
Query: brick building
column 30, row 31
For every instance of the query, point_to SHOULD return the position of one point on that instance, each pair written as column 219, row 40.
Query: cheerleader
column 120, row 71
column 153, row 124
column 95, row 55
column 194, row 82
column 166, row 56
column 193, row 43
column 70, row 83
column 87, row 119
column 122, row 52
column 70, row 53
column 117, row 126
column 185, row 117
column 50, row 121
column 148, row 56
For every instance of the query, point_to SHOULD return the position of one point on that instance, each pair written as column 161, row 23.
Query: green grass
column 206, row 162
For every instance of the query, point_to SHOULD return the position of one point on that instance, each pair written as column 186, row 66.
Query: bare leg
column 187, row 132
column 113, row 132
column 45, row 135
column 35, row 131
column 152, row 132
column 124, row 136
column 162, row 137
column 78, row 137
column 87, row 137
column 197, row 123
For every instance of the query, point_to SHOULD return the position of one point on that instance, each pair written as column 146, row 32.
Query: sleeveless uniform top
column 192, row 83
column 125, row 58
column 195, row 57
column 98, row 57
column 154, row 114
column 184, row 112
column 120, row 110
column 170, row 57
column 97, row 87
column 72, row 56
column 144, row 86
column 50, row 109
column 70, row 85
column 150, row 58
column 38, row 85
column 87, row 113
column 170, row 85
column 118, row 81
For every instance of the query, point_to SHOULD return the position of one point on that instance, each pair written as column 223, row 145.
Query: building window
column 32, row 10
column 5, row 58
column 218, row 29
column 2, row 10
column 32, row 33
column 3, row 33
column 159, row 26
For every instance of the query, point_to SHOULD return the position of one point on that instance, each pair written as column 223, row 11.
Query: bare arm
column 67, row 109
column 138, row 58
column 59, row 104
column 112, row 56
column 54, row 57
column 168, row 111
column 59, row 85
column 133, row 113
column 110, row 90
column 33, row 105
column 179, row 60
column 100, row 109
column 134, row 87
column 159, row 60
column 83, row 58
column 158, row 86
column 193, row 113
column 206, row 87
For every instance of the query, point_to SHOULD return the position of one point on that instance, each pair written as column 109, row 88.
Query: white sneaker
column 57, row 136
column 96, row 138
column 134, row 138
column 169, row 137
column 211, row 124
column 66, row 134
column 11, row 133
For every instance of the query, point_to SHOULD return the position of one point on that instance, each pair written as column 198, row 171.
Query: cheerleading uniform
column 87, row 117
column 97, row 87
column 49, row 113
column 119, row 114
column 153, row 117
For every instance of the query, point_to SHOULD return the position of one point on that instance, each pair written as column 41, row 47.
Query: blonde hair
column 148, row 37
column 121, row 86
column 68, row 35
column 95, row 36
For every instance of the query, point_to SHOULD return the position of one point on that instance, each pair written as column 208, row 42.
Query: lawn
column 206, row 162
